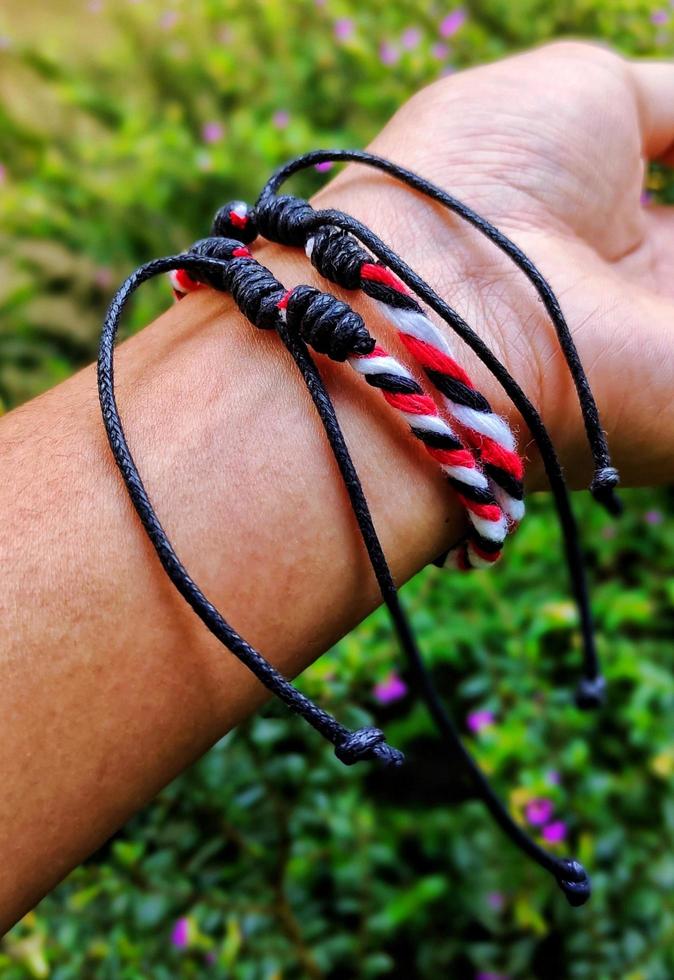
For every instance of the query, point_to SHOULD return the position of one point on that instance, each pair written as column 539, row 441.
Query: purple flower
column 343, row 28
column 477, row 720
column 553, row 777
column 495, row 901
column 439, row 51
column 453, row 22
column 410, row 38
column 180, row 934
column 168, row 20
column 653, row 517
column 392, row 689
column 322, row 167
column 659, row 17
column 281, row 118
column 388, row 53
column 212, row 132
column 555, row 832
column 103, row 277
column 538, row 812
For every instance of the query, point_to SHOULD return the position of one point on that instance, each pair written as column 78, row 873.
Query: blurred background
column 122, row 126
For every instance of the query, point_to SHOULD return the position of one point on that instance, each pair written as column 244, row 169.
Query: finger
column 654, row 87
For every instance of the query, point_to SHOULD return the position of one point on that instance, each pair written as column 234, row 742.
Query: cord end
column 573, row 879
column 602, row 489
column 591, row 692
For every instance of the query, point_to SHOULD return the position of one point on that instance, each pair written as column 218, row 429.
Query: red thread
column 241, row 252
column 414, row 404
column 238, row 220
column 452, row 457
column 185, row 281
column 434, row 359
column 492, row 556
column 497, row 455
column 489, row 512
column 379, row 273
column 283, row 302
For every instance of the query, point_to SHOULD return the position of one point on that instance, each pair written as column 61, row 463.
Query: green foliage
column 272, row 859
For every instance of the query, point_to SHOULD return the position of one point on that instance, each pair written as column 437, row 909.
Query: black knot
column 235, row 220
column 283, row 219
column 338, row 256
column 326, row 324
column 214, row 248
column 602, row 489
column 591, row 692
column 573, row 879
column 367, row 743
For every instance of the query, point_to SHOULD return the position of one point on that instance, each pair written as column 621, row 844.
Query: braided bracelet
column 304, row 313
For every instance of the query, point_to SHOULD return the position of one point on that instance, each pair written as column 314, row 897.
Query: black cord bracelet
column 306, row 315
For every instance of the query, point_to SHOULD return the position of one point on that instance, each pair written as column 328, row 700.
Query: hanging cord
column 606, row 476
column 568, row 873
column 292, row 221
column 350, row 746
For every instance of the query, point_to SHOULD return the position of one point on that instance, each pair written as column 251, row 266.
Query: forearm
column 111, row 685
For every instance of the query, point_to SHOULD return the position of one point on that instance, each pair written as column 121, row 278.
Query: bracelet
column 480, row 460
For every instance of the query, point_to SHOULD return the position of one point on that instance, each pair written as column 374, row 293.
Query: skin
column 111, row 685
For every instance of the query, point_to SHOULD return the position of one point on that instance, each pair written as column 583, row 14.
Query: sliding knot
column 326, row 324
column 235, row 220
column 367, row 743
column 283, row 219
column 224, row 249
column 591, row 692
column 337, row 256
column 254, row 289
column 572, row 878
column 603, row 484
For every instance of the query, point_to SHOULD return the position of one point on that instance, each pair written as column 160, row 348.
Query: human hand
column 550, row 146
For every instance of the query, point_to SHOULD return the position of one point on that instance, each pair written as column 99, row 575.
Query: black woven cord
column 606, row 476
column 591, row 689
column 352, row 746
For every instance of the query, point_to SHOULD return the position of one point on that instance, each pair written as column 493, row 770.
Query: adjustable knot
column 573, row 879
column 235, row 220
column 283, row 219
column 255, row 290
column 337, row 255
column 591, row 692
column 602, row 489
column 224, row 249
column 326, row 324
column 367, row 743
